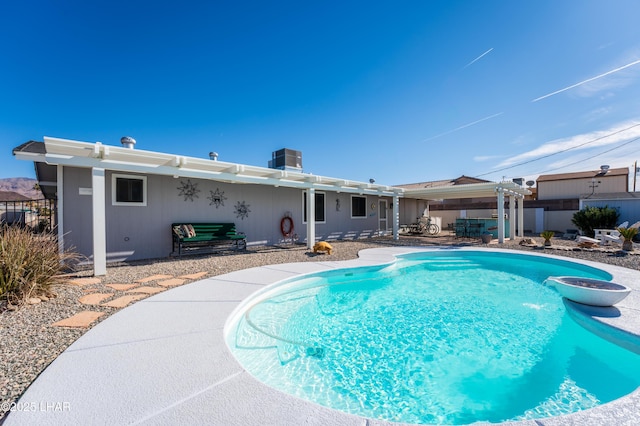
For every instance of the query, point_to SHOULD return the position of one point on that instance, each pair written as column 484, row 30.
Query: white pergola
column 99, row 158
column 482, row 190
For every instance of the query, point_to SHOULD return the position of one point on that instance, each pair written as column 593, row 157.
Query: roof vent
column 213, row 156
column 604, row 169
column 128, row 142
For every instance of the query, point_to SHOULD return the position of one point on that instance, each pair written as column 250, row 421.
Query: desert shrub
column 547, row 235
column 591, row 218
column 29, row 263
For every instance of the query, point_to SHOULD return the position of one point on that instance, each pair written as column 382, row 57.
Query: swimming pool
column 436, row 346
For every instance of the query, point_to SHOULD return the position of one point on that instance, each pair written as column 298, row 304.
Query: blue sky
column 400, row 92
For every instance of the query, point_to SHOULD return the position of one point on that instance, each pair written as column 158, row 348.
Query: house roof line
column 97, row 155
column 622, row 171
column 88, row 154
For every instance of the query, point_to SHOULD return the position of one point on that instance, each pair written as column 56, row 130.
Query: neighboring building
column 582, row 184
column 627, row 204
column 10, row 196
column 117, row 203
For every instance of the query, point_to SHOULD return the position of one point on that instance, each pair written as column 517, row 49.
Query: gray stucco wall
column 143, row 232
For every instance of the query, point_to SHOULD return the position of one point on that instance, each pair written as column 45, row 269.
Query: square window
column 128, row 190
column 320, row 207
column 358, row 207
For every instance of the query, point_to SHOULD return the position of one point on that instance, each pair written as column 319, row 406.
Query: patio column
column 512, row 217
column 99, row 222
column 60, row 206
column 521, row 216
column 311, row 217
column 396, row 217
column 500, row 216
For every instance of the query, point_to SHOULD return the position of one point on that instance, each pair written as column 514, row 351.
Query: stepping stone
column 81, row 319
column 122, row 287
column 84, row 281
column 153, row 278
column 193, row 276
column 123, row 301
column 172, row 282
column 95, row 298
column 147, row 290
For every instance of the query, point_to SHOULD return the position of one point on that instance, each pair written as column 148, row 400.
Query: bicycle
column 424, row 225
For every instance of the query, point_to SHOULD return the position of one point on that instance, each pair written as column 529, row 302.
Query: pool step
column 568, row 395
column 450, row 263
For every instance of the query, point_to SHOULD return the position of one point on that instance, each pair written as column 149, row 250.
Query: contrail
column 587, row 81
column 478, row 58
column 463, row 127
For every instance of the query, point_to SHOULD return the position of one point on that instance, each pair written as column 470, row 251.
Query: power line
column 558, row 152
column 588, row 158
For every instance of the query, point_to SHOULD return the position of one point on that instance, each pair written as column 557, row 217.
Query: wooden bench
column 206, row 234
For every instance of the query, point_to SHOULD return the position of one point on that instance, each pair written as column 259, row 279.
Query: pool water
column 442, row 337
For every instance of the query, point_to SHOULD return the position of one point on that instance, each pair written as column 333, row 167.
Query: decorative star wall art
column 242, row 210
column 217, row 198
column 188, row 190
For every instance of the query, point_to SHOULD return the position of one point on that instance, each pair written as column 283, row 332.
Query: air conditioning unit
column 286, row 159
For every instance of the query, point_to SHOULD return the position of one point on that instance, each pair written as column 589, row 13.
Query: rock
column 33, row 300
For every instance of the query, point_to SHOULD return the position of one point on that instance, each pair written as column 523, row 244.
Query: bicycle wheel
column 433, row 229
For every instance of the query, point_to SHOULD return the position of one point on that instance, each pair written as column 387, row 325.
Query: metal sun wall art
column 217, row 198
column 242, row 210
column 188, row 190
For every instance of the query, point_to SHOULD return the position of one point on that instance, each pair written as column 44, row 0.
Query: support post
column 512, row 217
column 500, row 216
column 311, row 218
column 521, row 216
column 396, row 217
column 99, row 222
column 60, row 206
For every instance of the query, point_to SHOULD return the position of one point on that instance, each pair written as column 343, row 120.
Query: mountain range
column 22, row 186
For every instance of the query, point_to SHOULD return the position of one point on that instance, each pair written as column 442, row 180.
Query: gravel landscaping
column 30, row 342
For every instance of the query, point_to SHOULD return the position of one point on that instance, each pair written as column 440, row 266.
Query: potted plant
column 547, row 235
column 628, row 234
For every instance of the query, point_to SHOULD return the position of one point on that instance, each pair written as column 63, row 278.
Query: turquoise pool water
column 440, row 337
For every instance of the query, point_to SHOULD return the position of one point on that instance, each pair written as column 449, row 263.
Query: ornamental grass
column 30, row 264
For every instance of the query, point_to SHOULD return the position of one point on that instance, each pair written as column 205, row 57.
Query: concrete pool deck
column 164, row 360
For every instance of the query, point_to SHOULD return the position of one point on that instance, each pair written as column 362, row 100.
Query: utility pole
column 593, row 186
column 635, row 173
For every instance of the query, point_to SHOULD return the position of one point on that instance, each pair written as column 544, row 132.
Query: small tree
column 547, row 235
column 591, row 218
column 628, row 234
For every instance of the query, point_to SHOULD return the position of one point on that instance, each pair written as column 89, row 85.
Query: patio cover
column 99, row 157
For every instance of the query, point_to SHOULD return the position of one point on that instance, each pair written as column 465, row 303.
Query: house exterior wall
column 569, row 188
column 78, row 219
column 143, row 232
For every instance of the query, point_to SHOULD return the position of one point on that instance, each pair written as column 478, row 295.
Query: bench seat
column 206, row 234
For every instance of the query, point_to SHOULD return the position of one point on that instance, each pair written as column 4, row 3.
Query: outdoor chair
column 584, row 239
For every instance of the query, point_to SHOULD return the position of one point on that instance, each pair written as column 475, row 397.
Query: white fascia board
column 30, row 156
column 86, row 154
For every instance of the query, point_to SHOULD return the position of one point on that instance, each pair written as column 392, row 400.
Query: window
column 128, row 190
column 320, row 210
column 358, row 206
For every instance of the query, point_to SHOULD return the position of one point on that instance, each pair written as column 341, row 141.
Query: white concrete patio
column 164, row 360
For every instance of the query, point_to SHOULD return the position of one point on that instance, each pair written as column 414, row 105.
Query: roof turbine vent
column 604, row 169
column 213, row 156
column 128, row 142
